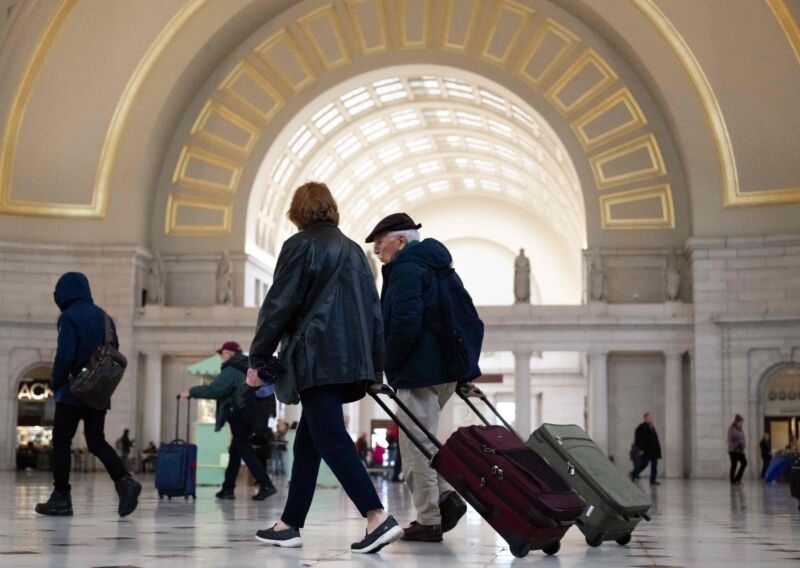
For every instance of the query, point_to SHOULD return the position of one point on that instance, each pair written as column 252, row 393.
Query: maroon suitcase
column 506, row 482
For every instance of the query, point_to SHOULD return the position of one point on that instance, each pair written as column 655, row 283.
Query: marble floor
column 694, row 523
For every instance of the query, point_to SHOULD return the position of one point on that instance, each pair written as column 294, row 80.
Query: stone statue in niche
column 522, row 279
column 672, row 276
column 156, row 281
column 225, row 280
column 597, row 279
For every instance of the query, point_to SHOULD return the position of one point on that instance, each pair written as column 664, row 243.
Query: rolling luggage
column 176, row 463
column 509, row 485
column 794, row 480
column 616, row 504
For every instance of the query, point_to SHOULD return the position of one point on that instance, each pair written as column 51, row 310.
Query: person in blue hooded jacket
column 81, row 329
column 414, row 362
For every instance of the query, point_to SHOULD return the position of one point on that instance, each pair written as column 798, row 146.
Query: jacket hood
column 238, row 361
column 72, row 287
column 429, row 252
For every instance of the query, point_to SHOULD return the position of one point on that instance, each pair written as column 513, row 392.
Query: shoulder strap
column 326, row 291
column 107, row 326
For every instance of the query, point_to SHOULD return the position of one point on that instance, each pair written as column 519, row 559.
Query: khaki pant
column 425, row 484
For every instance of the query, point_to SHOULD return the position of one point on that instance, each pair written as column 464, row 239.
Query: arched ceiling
column 393, row 142
column 156, row 121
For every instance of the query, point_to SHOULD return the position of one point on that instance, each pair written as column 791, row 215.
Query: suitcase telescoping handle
column 467, row 391
column 188, row 417
column 376, row 390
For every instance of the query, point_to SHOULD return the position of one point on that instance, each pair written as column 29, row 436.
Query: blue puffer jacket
column 410, row 303
column 81, row 329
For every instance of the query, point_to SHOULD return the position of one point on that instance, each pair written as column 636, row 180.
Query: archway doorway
column 460, row 153
column 35, row 413
column 782, row 408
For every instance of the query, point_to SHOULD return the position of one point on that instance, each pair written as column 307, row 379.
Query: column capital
column 673, row 352
column 522, row 353
column 598, row 353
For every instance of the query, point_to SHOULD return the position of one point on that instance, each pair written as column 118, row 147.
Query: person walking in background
column 765, row 445
column 362, row 447
column 736, row 446
column 323, row 284
column 125, row 445
column 646, row 440
column 416, row 365
column 279, row 453
column 81, row 329
column 228, row 390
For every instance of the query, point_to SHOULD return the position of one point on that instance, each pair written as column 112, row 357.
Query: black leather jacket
column 344, row 342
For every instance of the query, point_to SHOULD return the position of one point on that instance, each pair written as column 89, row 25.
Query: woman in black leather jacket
column 323, row 280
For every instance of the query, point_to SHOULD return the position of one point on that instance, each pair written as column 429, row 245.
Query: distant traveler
column 228, row 390
column 736, row 446
column 646, row 441
column 81, row 329
column 766, row 453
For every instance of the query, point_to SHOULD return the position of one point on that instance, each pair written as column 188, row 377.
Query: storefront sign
column 34, row 391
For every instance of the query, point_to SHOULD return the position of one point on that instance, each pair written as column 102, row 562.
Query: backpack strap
column 109, row 340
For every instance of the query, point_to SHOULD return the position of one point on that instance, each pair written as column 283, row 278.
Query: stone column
column 598, row 399
column 153, row 405
column 8, row 434
column 522, row 392
column 673, row 414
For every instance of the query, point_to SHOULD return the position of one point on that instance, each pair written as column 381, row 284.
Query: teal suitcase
column 615, row 504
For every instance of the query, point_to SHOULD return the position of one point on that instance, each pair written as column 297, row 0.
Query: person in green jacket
column 228, row 390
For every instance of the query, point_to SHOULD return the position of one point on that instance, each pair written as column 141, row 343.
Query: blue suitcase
column 176, row 463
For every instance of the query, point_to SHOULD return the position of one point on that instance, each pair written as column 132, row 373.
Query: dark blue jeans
column 241, row 449
column 643, row 462
column 321, row 434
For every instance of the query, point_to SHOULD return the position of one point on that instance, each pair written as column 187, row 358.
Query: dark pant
column 737, row 458
column 643, row 463
column 767, row 460
column 241, row 449
column 322, row 434
column 64, row 427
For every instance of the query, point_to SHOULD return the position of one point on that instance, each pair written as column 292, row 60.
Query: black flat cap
column 394, row 222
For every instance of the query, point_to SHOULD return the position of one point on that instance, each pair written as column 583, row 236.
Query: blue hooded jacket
column 410, row 304
column 81, row 329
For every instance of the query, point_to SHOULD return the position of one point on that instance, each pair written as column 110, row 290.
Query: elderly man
column 414, row 362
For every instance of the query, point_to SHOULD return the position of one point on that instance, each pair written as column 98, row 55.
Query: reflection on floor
column 695, row 523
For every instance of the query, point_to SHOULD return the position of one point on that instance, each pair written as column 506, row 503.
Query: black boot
column 59, row 505
column 266, row 490
column 225, row 494
column 128, row 490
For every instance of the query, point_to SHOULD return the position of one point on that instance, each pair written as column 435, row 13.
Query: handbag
column 99, row 378
column 286, row 386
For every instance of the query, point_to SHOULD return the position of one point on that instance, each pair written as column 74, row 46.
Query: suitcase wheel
column 185, row 497
column 552, row 548
column 595, row 542
column 194, row 497
column 520, row 550
column 169, row 497
column 160, row 495
column 624, row 540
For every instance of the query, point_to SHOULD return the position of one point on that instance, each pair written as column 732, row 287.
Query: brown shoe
column 423, row 533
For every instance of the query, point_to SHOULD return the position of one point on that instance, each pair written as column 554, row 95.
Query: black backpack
column 98, row 379
column 461, row 332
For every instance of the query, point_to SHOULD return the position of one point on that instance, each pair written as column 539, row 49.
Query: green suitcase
column 616, row 505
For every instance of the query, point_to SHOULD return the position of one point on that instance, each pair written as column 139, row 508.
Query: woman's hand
column 184, row 393
column 252, row 378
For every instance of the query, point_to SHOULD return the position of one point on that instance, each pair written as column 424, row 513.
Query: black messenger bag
column 98, row 379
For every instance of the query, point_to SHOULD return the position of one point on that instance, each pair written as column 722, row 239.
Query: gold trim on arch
column 648, row 142
column 175, row 202
column 95, row 209
column 731, row 192
column 661, row 192
column 787, row 23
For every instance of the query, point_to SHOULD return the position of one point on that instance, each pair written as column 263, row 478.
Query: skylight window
column 325, row 168
column 439, row 186
column 414, row 194
column 378, row 190
column 366, row 168
column 389, row 154
column 375, row 130
column 403, row 175
column 392, row 206
column 348, row 147
column 418, row 145
column 430, row 167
